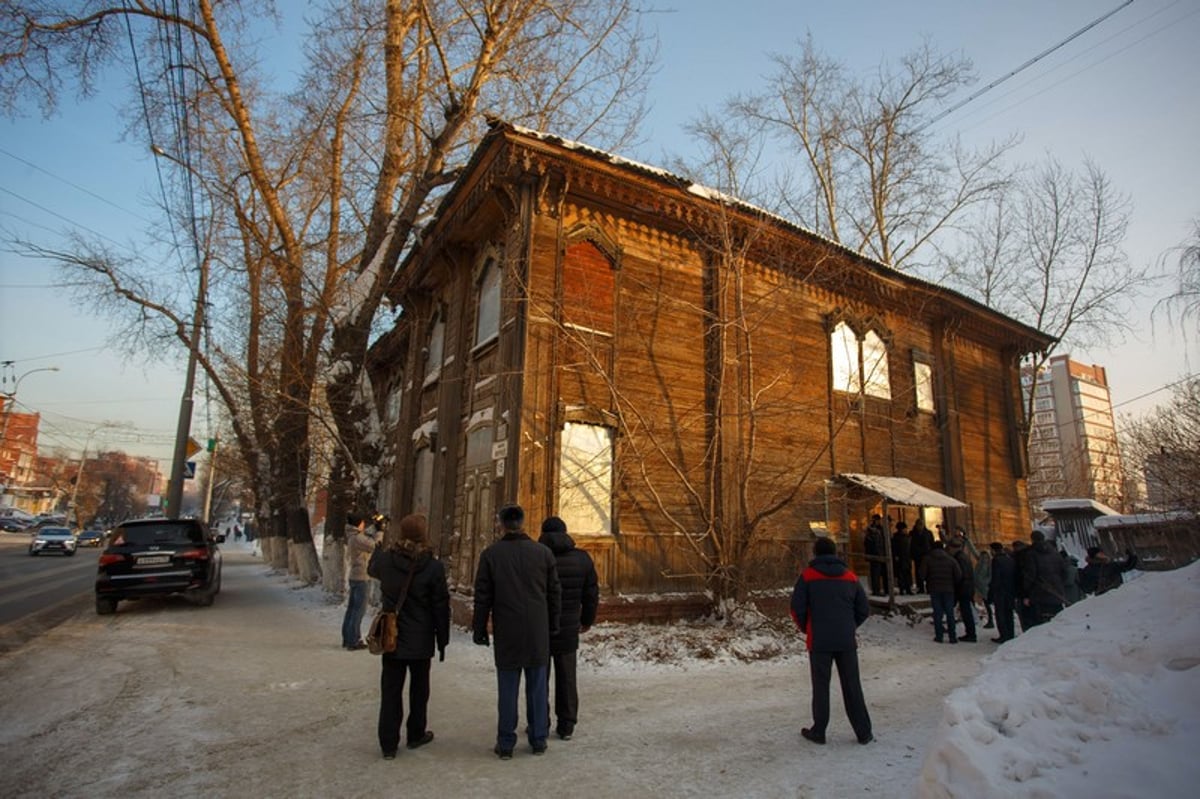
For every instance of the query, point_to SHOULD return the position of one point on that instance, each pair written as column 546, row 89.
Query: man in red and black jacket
column 828, row 605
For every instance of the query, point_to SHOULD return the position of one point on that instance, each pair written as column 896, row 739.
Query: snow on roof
column 1077, row 504
column 1123, row 519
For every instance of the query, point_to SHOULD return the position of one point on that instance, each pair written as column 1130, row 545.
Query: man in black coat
column 902, row 558
column 1003, row 590
column 516, row 586
column 413, row 583
column 828, row 605
column 580, row 600
column 1026, row 613
column 964, row 589
column 942, row 575
column 921, row 542
column 1102, row 574
column 874, row 547
column 1044, row 574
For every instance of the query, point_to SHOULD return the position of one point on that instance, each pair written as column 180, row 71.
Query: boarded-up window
column 585, row 478
column 588, row 282
column 487, row 324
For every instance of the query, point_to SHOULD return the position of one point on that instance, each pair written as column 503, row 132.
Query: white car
column 53, row 539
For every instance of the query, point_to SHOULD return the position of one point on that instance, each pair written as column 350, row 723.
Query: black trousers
column 1004, row 616
column 821, row 667
column 566, row 692
column 879, row 583
column 391, row 700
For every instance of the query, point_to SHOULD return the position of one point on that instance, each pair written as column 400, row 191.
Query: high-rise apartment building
column 1073, row 438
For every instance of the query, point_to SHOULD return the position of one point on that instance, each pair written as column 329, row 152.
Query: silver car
column 53, row 539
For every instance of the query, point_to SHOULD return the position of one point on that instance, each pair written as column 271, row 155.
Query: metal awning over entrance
column 903, row 491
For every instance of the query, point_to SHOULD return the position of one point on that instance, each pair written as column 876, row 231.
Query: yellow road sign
column 192, row 447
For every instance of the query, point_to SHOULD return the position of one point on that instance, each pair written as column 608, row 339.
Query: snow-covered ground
column 254, row 697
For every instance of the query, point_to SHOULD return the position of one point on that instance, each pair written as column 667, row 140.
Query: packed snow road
column 255, row 697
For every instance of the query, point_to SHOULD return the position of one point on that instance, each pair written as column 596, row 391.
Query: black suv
column 156, row 557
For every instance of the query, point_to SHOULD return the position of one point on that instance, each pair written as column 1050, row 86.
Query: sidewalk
column 255, row 697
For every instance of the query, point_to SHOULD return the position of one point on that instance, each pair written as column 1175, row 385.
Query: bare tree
column 866, row 172
column 1050, row 253
column 1164, row 447
column 1184, row 300
column 323, row 190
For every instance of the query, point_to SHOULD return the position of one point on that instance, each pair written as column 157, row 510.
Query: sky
column 1123, row 94
column 1103, row 702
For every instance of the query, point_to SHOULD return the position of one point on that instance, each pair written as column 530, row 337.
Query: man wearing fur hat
column 413, row 584
column 517, row 589
column 580, row 599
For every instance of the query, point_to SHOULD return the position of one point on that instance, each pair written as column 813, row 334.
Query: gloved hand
column 481, row 638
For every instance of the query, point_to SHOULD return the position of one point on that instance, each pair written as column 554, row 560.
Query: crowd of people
column 1031, row 581
column 532, row 601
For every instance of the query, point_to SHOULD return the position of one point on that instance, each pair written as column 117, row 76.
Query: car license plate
column 153, row 560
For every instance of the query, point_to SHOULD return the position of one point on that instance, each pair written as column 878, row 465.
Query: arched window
column 876, row 382
column 859, row 366
column 844, row 346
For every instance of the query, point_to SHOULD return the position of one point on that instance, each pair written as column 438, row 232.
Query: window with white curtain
column 844, row 346
column 923, row 385
column 876, row 380
column 487, row 323
column 585, row 478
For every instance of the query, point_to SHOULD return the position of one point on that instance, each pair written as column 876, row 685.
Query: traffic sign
column 193, row 447
column 189, row 470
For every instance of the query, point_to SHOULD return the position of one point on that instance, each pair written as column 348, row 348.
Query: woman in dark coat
column 580, row 600
column 412, row 580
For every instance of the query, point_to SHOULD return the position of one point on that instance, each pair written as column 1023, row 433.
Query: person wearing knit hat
column 580, row 600
column 413, row 584
column 518, row 592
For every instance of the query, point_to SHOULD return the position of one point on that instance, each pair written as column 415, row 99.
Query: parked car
column 159, row 557
column 53, row 539
column 11, row 524
column 91, row 538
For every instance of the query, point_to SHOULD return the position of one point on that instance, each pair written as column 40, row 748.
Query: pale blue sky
column 1124, row 94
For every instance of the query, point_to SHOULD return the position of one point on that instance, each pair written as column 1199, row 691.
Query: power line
column 976, row 95
column 73, row 185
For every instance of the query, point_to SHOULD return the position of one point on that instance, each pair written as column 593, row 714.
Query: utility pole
column 183, row 429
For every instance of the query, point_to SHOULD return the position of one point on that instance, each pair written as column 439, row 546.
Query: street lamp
column 11, row 396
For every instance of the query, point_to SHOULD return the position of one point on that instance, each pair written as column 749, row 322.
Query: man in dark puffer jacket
column 580, row 599
column 409, row 574
column 828, row 605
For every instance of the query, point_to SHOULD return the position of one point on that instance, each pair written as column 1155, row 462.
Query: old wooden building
column 695, row 386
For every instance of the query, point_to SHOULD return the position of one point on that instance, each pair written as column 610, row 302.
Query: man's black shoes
column 809, row 735
column 424, row 739
column 503, row 754
column 866, row 739
column 970, row 639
